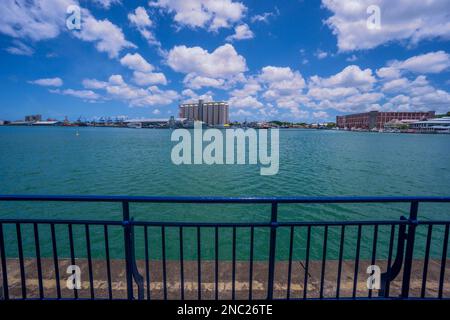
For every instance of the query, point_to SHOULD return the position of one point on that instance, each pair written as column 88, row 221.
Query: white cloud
column 401, row 20
column 117, row 88
column 107, row 37
column 321, row 115
column 241, row 32
column 350, row 76
column 20, row 49
column 145, row 79
column 222, row 66
column 88, row 95
column 94, row 84
column 141, row 20
column 197, row 82
column 106, row 4
column 43, row 20
column 136, row 62
column 33, row 20
column 193, row 96
column 209, row 14
column 388, row 72
column 246, row 102
column 321, row 54
column 48, row 82
column 221, row 63
column 142, row 74
column 432, row 62
column 265, row 17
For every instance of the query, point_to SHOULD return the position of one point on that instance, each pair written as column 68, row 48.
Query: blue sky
column 289, row 60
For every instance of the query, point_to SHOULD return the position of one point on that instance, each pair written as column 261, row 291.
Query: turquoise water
column 117, row 161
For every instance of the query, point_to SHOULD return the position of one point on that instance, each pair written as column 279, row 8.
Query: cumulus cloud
column 203, row 68
column 192, row 96
column 222, row 62
column 432, row 62
column 141, row 20
column 117, row 88
column 350, row 76
column 107, row 37
column 145, row 79
column 208, row 14
column 402, row 20
column 43, row 20
column 48, row 82
column 241, row 32
column 136, row 62
column 142, row 74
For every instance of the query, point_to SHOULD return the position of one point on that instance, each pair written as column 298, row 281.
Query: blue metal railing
column 400, row 251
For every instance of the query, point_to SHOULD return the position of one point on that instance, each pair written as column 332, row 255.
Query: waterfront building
column 436, row 125
column 33, row 118
column 377, row 119
column 214, row 113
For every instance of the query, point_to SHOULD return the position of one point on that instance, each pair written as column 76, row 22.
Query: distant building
column 377, row 119
column 33, row 118
column 437, row 125
column 213, row 113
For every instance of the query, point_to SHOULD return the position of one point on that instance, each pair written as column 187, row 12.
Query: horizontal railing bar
column 220, row 224
column 267, row 224
column 184, row 199
column 61, row 221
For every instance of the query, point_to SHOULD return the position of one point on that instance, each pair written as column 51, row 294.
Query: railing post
column 409, row 248
column 128, row 248
column 273, row 241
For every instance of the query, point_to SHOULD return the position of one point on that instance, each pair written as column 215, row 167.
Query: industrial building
column 377, row 119
column 214, row 113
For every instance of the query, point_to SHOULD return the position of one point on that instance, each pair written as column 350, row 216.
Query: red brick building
column 377, row 119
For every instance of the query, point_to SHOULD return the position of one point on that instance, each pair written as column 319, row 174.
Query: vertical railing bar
column 409, row 248
column 358, row 247
column 233, row 270
column 128, row 248
column 38, row 260
column 181, row 263
column 147, row 269
column 89, row 256
column 273, row 241
column 443, row 262
column 163, row 241
column 374, row 250
column 199, row 266
column 4, row 270
column 55, row 260
column 341, row 253
column 324, row 259
column 250, row 280
column 72, row 255
column 425, row 262
column 216, row 262
column 305, row 279
column 21, row 263
column 389, row 261
column 108, row 261
column 291, row 245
